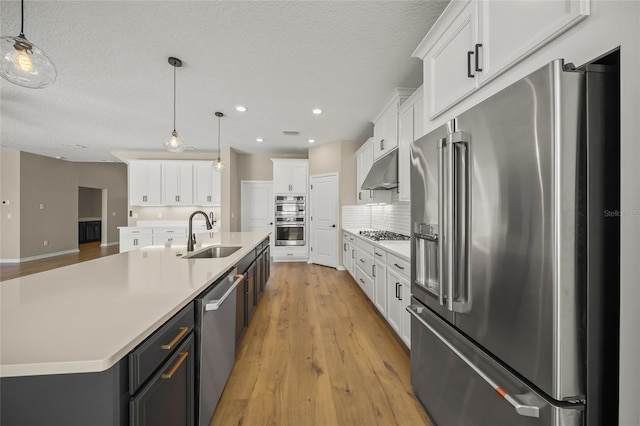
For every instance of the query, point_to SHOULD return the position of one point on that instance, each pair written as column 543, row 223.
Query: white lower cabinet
column 132, row 239
column 165, row 235
column 384, row 277
column 290, row 254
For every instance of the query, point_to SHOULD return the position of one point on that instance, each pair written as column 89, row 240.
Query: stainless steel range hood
column 383, row 173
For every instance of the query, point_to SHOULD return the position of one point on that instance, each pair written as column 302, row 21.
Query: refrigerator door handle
column 442, row 220
column 521, row 409
column 458, row 192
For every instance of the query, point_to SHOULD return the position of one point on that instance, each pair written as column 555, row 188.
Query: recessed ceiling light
column 259, row 139
column 317, row 111
column 312, row 140
column 241, row 108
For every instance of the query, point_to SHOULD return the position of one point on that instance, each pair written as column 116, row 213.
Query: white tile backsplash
column 356, row 217
column 386, row 217
column 392, row 217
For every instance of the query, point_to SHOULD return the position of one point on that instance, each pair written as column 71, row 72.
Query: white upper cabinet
column 145, row 183
column 385, row 125
column 364, row 161
column 177, row 183
column 410, row 128
column 290, row 177
column 474, row 41
column 206, row 184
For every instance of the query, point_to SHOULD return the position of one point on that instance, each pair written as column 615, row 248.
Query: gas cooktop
column 384, row 236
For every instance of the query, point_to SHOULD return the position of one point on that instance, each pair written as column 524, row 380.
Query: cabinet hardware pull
column 378, row 254
column 381, row 144
column 361, row 280
column 362, row 260
column 397, row 290
column 398, row 266
column 478, row 46
column 373, row 270
column 171, row 344
column 359, row 195
column 183, row 356
column 345, row 247
column 469, row 54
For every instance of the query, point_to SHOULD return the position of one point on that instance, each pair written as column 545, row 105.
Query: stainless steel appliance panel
column 455, row 382
column 217, row 315
column 426, row 238
column 521, row 285
column 290, row 234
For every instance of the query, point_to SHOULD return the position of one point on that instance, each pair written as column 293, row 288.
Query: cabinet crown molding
column 399, row 95
column 448, row 15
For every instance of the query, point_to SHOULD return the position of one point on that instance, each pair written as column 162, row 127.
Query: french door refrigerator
column 514, row 258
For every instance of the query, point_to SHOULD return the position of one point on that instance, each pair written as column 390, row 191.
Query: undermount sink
column 213, row 253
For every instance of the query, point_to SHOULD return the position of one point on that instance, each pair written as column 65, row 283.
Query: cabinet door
column 299, row 177
column 250, row 279
column 177, row 183
column 390, row 129
column 364, row 161
column 394, row 305
column 203, row 183
column 145, row 183
column 512, row 29
column 216, row 188
column 281, row 179
column 405, row 138
column 168, row 398
column 446, row 66
column 405, row 323
column 380, row 290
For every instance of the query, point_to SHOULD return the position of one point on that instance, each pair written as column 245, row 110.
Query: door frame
column 310, row 236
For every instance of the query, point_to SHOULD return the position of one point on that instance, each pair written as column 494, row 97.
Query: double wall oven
column 290, row 212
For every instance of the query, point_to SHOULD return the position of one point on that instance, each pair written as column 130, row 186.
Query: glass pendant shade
column 174, row 143
column 25, row 64
column 218, row 165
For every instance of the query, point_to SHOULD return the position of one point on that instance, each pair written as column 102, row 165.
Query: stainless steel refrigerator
column 514, row 276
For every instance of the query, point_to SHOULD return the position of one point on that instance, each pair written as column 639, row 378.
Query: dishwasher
column 216, row 316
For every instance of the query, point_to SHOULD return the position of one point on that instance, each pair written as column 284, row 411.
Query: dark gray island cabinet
column 156, row 383
column 153, row 385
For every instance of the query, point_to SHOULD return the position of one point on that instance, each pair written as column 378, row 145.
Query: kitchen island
column 76, row 326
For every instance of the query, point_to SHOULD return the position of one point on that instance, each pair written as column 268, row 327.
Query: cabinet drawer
column 168, row 398
column 379, row 255
column 365, row 246
column 151, row 353
column 136, row 231
column 365, row 282
column 364, row 261
column 398, row 264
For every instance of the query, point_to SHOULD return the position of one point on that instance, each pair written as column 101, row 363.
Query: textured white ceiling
column 278, row 58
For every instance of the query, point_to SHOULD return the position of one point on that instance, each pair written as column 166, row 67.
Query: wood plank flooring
column 88, row 251
column 317, row 353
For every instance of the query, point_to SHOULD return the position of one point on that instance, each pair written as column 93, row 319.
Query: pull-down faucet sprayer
column 192, row 238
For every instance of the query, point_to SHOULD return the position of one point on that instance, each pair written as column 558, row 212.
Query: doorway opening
column 90, row 217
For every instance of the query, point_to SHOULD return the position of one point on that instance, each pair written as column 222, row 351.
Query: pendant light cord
column 22, row 19
column 218, row 137
column 174, row 98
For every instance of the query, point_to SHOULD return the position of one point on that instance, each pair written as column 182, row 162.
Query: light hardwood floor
column 88, row 251
column 317, row 353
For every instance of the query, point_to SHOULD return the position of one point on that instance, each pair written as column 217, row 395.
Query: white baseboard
column 341, row 268
column 110, row 244
column 40, row 256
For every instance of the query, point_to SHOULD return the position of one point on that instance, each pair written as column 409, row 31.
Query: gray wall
column 54, row 184
column 10, row 213
column 89, row 203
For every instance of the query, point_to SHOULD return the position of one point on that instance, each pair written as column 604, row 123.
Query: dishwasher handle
column 214, row 305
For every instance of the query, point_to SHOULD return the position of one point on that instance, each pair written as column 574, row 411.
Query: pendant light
column 219, row 165
column 175, row 142
column 23, row 63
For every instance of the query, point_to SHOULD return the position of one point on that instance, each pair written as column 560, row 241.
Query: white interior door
column 257, row 206
column 324, row 220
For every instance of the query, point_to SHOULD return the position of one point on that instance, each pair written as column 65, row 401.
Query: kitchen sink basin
column 213, row 253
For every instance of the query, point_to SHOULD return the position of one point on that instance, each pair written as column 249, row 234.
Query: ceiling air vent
column 290, row 132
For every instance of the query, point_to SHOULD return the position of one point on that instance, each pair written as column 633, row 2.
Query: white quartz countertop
column 398, row 248
column 86, row 317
